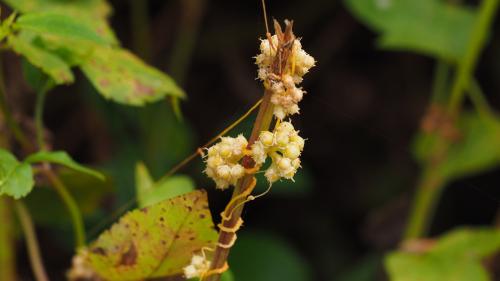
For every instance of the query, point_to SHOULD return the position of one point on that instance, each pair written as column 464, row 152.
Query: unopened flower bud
column 267, row 138
column 292, row 151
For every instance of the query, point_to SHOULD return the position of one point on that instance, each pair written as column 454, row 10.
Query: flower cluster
column 284, row 146
column 197, row 267
column 285, row 93
column 223, row 161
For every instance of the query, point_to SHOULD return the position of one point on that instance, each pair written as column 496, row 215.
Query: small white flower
column 285, row 93
column 259, row 153
column 292, row 151
column 284, row 146
column 197, row 267
column 223, row 161
column 272, row 174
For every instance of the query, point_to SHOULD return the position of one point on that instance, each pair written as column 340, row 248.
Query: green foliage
column 476, row 149
column 150, row 193
column 155, row 241
column 49, row 63
column 121, row 76
column 431, row 27
column 455, row 256
column 5, row 26
column 55, row 35
column 59, row 26
column 264, row 257
column 62, row 158
column 16, row 179
column 98, row 8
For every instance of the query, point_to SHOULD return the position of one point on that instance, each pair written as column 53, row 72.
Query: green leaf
column 150, row 193
column 59, row 26
column 98, row 8
column 143, row 182
column 474, row 243
column 475, row 151
column 16, row 179
column 62, row 158
column 121, row 76
column 5, row 27
column 430, row 27
column 92, row 13
column 156, row 241
column 49, row 63
column 456, row 256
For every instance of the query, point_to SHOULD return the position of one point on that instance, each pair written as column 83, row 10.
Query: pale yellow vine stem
column 222, row 133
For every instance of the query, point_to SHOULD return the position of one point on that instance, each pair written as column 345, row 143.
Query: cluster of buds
column 282, row 64
column 223, row 161
column 286, row 94
column 198, row 266
column 284, row 146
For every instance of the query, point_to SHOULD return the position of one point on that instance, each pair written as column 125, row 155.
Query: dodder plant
column 176, row 237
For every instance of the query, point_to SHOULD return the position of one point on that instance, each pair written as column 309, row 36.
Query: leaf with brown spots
column 156, row 241
column 121, row 76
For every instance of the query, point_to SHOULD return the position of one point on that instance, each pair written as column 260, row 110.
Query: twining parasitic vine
column 234, row 161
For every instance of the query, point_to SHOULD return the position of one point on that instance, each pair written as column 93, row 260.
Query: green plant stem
column 7, row 245
column 478, row 99
column 431, row 185
column 262, row 122
column 468, row 63
column 9, row 120
column 39, row 106
column 70, row 202
column 441, row 75
column 31, row 241
column 428, row 192
column 61, row 189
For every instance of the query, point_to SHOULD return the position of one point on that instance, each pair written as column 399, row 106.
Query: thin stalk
column 31, row 241
column 214, row 139
column 39, row 106
column 262, row 122
column 424, row 204
column 468, row 63
column 431, row 185
column 478, row 99
column 441, row 75
column 7, row 245
column 69, row 201
column 61, row 189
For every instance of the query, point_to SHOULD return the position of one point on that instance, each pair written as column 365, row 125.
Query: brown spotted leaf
column 156, row 241
column 121, row 76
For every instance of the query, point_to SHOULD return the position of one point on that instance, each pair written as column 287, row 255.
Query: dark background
column 363, row 107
